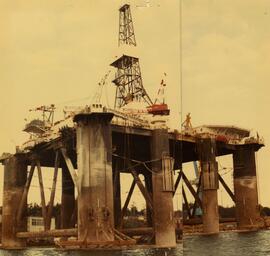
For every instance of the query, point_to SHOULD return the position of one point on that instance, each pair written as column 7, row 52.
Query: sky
column 225, row 80
column 58, row 51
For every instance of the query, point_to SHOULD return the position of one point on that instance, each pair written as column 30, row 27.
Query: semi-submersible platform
column 94, row 144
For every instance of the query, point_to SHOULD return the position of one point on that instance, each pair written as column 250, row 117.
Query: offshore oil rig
column 94, row 144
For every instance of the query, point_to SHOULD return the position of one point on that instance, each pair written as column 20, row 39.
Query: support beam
column 48, row 233
column 70, row 167
column 206, row 148
column 178, row 179
column 186, row 202
column 42, row 194
column 23, row 200
column 228, row 190
column 141, row 187
column 67, row 199
column 74, row 215
column 163, row 212
column 149, row 188
column 245, row 187
column 15, row 176
column 191, row 189
column 52, row 196
column 198, row 192
column 116, row 196
column 95, row 184
column 124, row 209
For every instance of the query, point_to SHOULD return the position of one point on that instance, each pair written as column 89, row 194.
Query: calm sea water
column 224, row 244
column 52, row 252
column 229, row 244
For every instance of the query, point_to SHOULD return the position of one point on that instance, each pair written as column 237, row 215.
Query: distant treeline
column 224, row 212
column 229, row 212
column 36, row 210
column 265, row 211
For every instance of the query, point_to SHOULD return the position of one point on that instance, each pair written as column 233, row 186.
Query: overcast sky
column 57, row 52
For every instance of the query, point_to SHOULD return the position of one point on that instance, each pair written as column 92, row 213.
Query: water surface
column 229, row 244
column 52, row 252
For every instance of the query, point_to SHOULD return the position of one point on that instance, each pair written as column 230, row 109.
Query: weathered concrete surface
column 207, row 154
column 15, row 175
column 245, row 188
column 210, row 212
column 67, row 199
column 95, row 185
column 163, row 216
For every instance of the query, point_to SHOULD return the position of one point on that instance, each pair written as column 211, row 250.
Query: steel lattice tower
column 126, row 30
column 128, row 82
column 128, row 79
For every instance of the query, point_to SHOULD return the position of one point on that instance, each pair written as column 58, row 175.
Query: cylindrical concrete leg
column 95, row 185
column 245, row 188
column 210, row 212
column 67, row 199
column 163, row 216
column 207, row 149
column 15, row 175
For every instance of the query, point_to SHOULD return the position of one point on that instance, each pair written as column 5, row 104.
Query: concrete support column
column 245, row 187
column 163, row 216
column 15, row 175
column 95, row 185
column 207, row 151
column 67, row 199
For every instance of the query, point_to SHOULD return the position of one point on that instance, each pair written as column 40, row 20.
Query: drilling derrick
column 126, row 30
column 128, row 81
